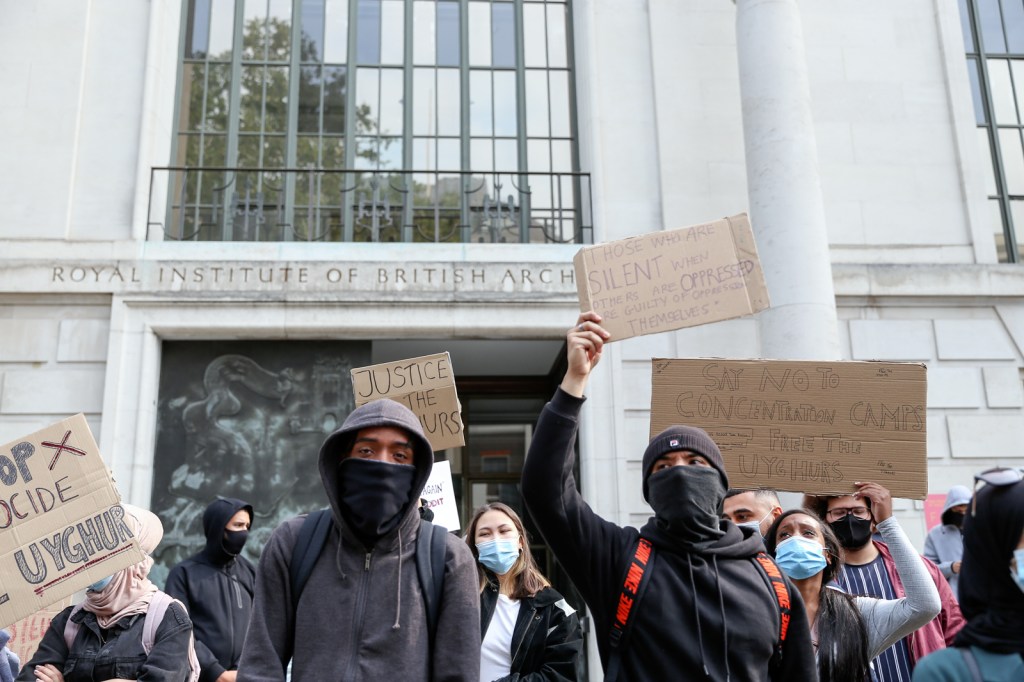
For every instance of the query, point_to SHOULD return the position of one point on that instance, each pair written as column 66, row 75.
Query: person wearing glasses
column 848, row 631
column 870, row 570
column 991, row 645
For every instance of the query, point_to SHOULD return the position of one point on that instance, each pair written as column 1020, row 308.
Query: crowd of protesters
column 719, row 584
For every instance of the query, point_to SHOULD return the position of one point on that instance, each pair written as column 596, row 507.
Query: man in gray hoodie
column 361, row 615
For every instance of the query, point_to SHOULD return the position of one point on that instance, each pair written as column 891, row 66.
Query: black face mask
column 955, row 519
column 373, row 494
column 687, row 502
column 853, row 533
column 234, row 541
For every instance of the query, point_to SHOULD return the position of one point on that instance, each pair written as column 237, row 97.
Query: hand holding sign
column 584, row 344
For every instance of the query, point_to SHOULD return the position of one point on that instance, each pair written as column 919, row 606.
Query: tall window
column 475, row 96
column 993, row 32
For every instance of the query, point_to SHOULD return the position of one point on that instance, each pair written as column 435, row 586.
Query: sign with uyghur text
column 62, row 526
column 425, row 385
column 439, row 496
column 803, row 426
column 662, row 281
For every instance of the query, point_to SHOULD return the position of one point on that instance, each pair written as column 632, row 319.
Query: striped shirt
column 872, row 580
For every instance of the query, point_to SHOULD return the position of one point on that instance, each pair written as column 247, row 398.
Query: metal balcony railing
column 321, row 205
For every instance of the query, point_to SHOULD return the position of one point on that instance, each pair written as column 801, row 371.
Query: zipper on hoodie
column 238, row 592
column 360, row 609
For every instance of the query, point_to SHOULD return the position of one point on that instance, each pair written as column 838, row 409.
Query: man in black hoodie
column 216, row 586
column 708, row 611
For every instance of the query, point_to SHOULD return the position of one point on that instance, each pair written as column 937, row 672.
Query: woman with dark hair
column 991, row 645
column 847, row 631
column 529, row 631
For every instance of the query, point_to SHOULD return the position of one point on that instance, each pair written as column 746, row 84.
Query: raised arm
column 889, row 620
column 586, row 545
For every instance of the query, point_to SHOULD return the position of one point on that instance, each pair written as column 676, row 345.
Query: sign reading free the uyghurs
column 62, row 526
column 811, row 427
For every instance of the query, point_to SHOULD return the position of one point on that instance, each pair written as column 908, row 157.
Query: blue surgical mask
column 755, row 525
column 99, row 585
column 498, row 555
column 1018, row 575
column 800, row 558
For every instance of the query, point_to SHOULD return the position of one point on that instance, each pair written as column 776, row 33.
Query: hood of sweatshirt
column 377, row 413
column 957, row 495
column 215, row 518
column 736, row 543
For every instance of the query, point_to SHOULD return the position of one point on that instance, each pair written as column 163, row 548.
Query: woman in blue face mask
column 529, row 631
column 848, row 632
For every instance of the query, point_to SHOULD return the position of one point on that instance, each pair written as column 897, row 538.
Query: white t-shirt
column 496, row 649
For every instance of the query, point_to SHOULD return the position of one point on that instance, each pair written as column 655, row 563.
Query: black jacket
column 117, row 652
column 705, row 615
column 217, row 590
column 546, row 642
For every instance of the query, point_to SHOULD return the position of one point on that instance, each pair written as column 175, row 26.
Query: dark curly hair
column 842, row 636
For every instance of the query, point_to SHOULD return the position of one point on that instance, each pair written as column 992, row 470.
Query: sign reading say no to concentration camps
column 62, row 526
column 426, row 386
column 662, row 281
column 814, row 427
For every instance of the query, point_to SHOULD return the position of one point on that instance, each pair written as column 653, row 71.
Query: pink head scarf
column 130, row 591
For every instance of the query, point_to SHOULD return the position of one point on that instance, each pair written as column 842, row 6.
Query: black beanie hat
column 683, row 438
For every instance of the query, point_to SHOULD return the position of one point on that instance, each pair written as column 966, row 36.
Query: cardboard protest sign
column 803, row 426
column 426, row 386
column 28, row 632
column 662, row 281
column 62, row 527
column 439, row 496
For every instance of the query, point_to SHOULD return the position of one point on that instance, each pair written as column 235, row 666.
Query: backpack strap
column 71, row 628
column 771, row 572
column 430, row 556
column 158, row 606
column 309, row 544
column 634, row 583
column 972, row 663
column 154, row 616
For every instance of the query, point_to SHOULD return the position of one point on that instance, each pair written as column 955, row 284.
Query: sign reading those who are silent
column 803, row 426
column 62, row 526
column 425, row 385
column 662, row 281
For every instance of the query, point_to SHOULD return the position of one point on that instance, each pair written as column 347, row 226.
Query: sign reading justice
column 62, row 526
column 803, row 426
column 425, row 385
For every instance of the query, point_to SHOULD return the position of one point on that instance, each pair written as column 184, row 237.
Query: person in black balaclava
column 707, row 610
column 362, row 613
column 870, row 570
column 991, row 590
column 216, row 585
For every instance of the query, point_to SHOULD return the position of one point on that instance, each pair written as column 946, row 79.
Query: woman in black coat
column 529, row 631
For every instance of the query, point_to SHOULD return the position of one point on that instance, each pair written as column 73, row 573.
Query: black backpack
column 430, row 555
